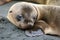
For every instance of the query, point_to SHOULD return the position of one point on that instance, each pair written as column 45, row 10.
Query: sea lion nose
column 30, row 24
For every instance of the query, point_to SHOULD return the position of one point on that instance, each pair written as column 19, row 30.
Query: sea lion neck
column 37, row 12
column 40, row 12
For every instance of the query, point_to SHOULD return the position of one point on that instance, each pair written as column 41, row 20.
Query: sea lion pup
column 27, row 15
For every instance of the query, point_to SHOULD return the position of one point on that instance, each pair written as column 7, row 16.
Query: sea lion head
column 23, row 15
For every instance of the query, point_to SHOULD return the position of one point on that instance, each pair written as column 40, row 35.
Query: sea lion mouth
column 27, row 28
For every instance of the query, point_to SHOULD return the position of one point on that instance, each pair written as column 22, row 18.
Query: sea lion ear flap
column 10, row 11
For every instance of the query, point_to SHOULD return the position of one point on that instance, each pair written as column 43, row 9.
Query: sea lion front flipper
column 46, row 28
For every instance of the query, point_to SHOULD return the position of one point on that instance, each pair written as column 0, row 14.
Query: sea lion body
column 46, row 17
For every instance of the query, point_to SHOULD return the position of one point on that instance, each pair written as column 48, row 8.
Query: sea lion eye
column 10, row 12
column 34, row 18
column 19, row 17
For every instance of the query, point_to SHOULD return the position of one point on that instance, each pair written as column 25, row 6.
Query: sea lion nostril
column 30, row 25
column 18, row 17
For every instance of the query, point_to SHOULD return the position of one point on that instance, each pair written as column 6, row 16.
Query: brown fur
column 51, row 19
column 47, row 16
